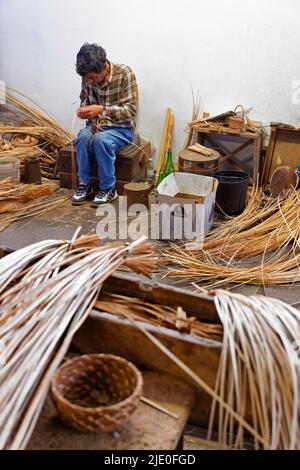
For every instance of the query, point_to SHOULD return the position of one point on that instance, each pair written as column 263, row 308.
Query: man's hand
column 89, row 112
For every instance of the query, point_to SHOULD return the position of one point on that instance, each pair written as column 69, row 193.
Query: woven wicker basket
column 97, row 392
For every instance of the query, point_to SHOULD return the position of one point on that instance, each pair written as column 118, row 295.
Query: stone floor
column 64, row 220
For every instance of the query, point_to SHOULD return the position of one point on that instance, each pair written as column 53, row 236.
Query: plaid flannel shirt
column 119, row 93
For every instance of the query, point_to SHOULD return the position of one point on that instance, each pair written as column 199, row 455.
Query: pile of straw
column 259, row 247
column 47, row 290
column 33, row 132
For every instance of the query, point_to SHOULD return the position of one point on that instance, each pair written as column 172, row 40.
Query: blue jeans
column 103, row 146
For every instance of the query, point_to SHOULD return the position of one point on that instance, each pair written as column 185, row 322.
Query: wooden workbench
column 206, row 135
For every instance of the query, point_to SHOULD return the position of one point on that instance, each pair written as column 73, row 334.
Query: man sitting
column 109, row 102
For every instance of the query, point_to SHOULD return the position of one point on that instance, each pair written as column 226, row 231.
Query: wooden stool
column 193, row 162
column 137, row 193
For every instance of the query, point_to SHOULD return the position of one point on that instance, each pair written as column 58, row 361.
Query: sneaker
column 81, row 194
column 104, row 197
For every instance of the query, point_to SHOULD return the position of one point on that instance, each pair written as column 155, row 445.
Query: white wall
column 233, row 51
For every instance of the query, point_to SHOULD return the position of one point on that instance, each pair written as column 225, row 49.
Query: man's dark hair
column 90, row 58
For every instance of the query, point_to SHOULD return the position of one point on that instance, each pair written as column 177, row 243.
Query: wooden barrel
column 193, row 162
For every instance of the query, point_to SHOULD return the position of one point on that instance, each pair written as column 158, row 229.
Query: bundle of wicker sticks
column 261, row 246
column 30, row 132
column 46, row 292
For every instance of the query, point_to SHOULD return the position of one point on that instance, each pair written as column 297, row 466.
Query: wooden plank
column 148, row 429
column 170, row 134
column 217, row 117
column 283, row 150
column 243, row 134
column 195, row 304
column 230, row 130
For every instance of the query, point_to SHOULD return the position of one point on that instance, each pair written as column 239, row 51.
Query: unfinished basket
column 97, row 392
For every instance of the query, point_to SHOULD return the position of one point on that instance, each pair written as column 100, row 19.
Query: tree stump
column 137, row 193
